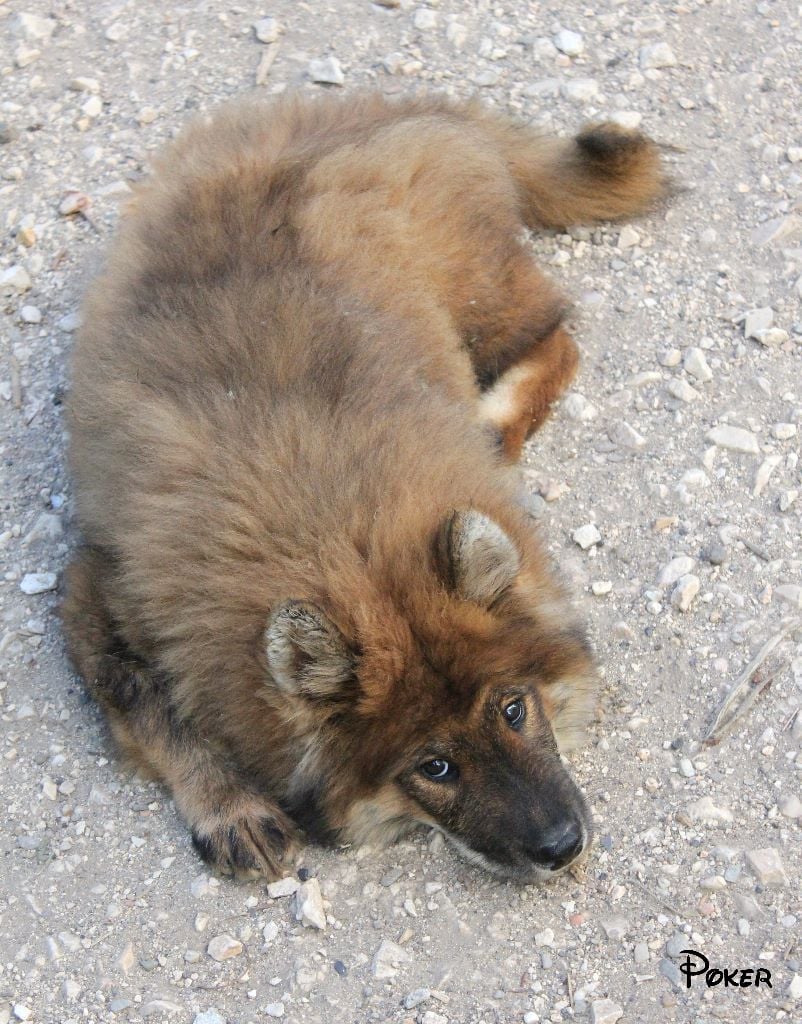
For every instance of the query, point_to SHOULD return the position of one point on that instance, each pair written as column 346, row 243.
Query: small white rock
column 425, row 19
column 625, row 436
column 758, row 320
column 705, row 810
column 605, row 1011
column 695, row 364
column 601, row 587
column 791, row 807
column 283, row 887
column 735, row 439
column 784, row 431
column 767, row 866
column 581, row 90
column 568, row 42
column 629, row 119
column 387, row 958
column 326, row 71
column 772, row 338
column 275, row 1009
column 766, row 468
column 657, row 55
column 267, row 30
column 685, row 591
column 309, row 905
column 682, row 390
column 794, row 990
column 586, row 536
column 676, row 568
column 224, row 947
column 93, row 106
column 38, row 582
column 15, row 279
column 791, row 593
column 628, row 237
column 577, row 407
column 30, row 315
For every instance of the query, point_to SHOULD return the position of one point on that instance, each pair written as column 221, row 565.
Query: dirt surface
column 105, row 912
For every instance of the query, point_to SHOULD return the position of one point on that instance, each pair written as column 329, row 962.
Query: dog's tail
column 604, row 173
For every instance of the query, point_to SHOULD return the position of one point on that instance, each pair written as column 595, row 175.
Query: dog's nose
column 558, row 846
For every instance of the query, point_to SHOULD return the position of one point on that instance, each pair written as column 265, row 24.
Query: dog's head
column 449, row 706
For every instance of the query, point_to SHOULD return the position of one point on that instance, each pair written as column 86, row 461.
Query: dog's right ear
column 475, row 557
column 306, row 653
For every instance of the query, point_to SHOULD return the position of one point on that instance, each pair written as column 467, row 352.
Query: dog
column 309, row 599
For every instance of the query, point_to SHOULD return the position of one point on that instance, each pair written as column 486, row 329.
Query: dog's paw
column 252, row 838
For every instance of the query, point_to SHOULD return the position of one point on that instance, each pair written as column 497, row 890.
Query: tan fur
column 281, row 393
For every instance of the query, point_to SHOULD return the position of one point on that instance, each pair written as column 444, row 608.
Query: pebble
column 270, row 932
column 416, row 997
column 605, row 1011
column 686, row 768
column 32, row 27
column 275, row 1009
column 734, row 439
column 209, row 1017
column 763, row 474
column 430, row 1017
column 641, row 953
column 784, row 431
column 309, row 905
column 791, row 807
column 685, row 591
column 629, row 119
column 387, row 958
column 616, row 928
column 704, row 810
column 159, row 1006
column 15, row 279
column 773, row 337
column 628, row 237
column 657, row 55
column 224, row 947
column 683, row 391
column 586, row 536
column 767, row 866
column 267, row 30
column 794, row 990
column 625, row 436
column 601, row 587
column 326, row 71
column 758, row 320
column 791, row 593
column 283, row 887
column 577, row 407
column 696, row 364
column 713, row 883
column 670, row 357
column 116, row 32
column 569, row 43
column 676, row 568
column 38, row 582
column 581, row 90
column 30, row 315
column 425, row 19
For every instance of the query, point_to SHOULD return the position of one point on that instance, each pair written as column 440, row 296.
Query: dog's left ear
column 306, row 653
column 476, row 558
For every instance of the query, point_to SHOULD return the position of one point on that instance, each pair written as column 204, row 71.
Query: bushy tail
column 605, row 173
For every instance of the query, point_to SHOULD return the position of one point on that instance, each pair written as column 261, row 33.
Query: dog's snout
column 558, row 846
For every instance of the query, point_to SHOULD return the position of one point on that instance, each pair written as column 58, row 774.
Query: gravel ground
column 679, row 445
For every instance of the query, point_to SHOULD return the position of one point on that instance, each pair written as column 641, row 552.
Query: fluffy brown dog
column 309, row 600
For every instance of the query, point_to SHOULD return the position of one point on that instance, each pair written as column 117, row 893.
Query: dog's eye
column 515, row 713
column 439, row 769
